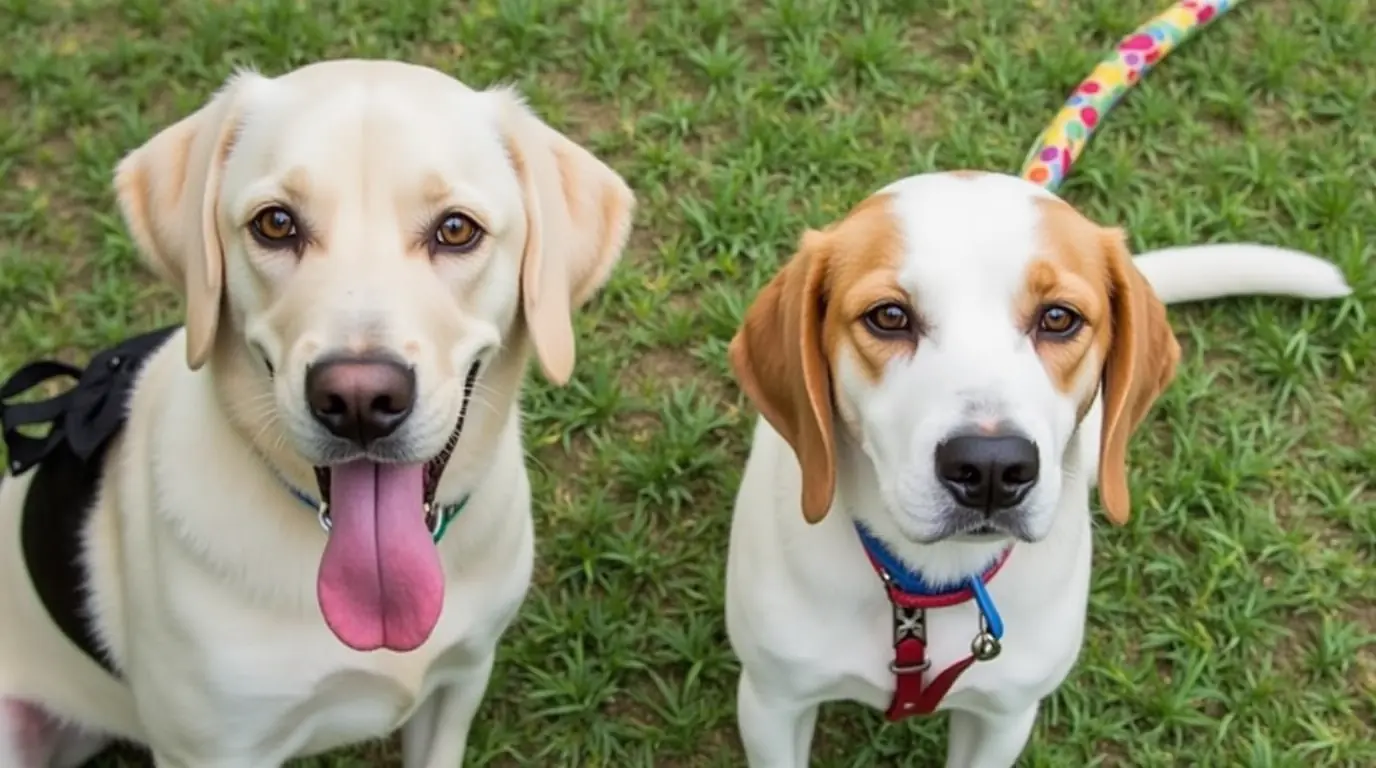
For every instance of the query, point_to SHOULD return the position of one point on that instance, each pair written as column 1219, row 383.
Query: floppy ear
column 1141, row 363
column 168, row 192
column 578, row 216
column 778, row 359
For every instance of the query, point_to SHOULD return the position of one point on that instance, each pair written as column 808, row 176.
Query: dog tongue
column 380, row 583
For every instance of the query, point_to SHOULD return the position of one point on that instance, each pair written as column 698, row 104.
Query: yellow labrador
column 315, row 524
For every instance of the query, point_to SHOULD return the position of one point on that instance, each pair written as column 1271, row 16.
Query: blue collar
column 915, row 591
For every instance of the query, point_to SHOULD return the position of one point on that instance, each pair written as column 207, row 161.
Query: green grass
column 1233, row 622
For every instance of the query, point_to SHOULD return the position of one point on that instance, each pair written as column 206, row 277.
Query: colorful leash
column 1049, row 161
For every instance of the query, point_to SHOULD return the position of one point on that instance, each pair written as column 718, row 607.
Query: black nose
column 988, row 473
column 360, row 399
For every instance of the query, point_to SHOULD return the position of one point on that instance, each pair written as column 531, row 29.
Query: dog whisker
column 268, row 424
column 480, row 401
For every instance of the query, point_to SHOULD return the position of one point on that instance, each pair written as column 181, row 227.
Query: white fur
column 1198, row 272
column 202, row 564
column 806, row 613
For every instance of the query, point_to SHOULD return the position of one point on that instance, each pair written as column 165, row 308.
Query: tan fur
column 169, row 190
column 778, row 359
column 791, row 335
column 1141, row 363
column 576, row 229
column 864, row 251
column 1127, row 341
column 1073, row 273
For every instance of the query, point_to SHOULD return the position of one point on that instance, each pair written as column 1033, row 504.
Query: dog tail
column 1197, row 272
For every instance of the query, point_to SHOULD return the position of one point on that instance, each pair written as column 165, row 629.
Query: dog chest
column 288, row 692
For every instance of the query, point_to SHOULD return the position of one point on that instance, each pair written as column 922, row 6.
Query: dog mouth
column 994, row 529
column 381, row 583
column 981, row 530
column 973, row 525
column 433, row 470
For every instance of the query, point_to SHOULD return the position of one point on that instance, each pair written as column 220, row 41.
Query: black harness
column 70, row 461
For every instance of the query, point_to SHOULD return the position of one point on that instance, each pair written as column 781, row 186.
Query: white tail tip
column 1198, row 272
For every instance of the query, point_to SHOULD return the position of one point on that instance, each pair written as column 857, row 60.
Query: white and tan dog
column 941, row 376
column 364, row 247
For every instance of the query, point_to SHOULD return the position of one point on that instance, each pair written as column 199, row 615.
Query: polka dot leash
column 1049, row 161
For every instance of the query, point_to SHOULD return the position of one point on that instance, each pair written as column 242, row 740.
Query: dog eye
column 888, row 319
column 1059, row 322
column 275, row 227
column 457, row 233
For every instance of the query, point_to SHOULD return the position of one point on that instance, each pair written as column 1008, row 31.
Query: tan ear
column 779, row 360
column 168, row 191
column 1141, row 363
column 578, row 217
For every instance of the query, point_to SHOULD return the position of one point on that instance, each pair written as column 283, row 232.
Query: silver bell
column 985, row 647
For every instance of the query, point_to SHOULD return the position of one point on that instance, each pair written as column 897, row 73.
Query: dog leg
column 419, row 731
column 775, row 734
column 32, row 738
column 28, row 735
column 437, row 734
column 988, row 740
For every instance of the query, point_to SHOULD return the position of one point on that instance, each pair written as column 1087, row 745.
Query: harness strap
column 911, row 696
column 25, row 450
column 69, row 464
column 910, row 663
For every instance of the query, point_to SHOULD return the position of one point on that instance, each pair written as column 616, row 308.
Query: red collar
column 926, row 600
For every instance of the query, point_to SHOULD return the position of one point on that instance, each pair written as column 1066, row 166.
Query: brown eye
column 888, row 320
column 457, row 233
column 275, row 228
column 1058, row 322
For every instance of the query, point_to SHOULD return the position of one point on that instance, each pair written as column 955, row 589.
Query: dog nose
column 987, row 472
column 360, row 399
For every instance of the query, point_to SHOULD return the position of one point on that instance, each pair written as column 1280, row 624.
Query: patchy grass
column 1233, row 621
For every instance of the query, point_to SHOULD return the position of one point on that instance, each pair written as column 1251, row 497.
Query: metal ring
column 432, row 520
column 323, row 516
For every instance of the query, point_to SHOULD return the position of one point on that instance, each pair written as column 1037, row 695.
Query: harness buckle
column 909, row 669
